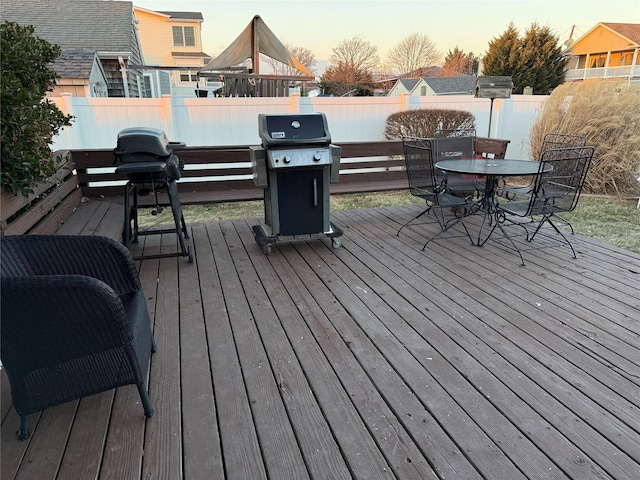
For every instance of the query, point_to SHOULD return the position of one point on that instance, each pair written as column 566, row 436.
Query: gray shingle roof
column 183, row 15
column 408, row 83
column 452, row 85
column 88, row 24
column 74, row 63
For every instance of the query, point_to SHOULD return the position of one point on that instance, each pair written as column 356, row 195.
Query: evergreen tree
column 532, row 61
column 540, row 63
column 29, row 120
column 502, row 56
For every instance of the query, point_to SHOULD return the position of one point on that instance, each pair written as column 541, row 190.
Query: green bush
column 29, row 119
column 423, row 123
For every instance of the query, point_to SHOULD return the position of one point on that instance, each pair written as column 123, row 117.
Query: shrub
column 29, row 120
column 607, row 112
column 423, row 123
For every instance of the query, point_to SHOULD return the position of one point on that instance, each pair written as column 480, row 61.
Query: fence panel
column 203, row 122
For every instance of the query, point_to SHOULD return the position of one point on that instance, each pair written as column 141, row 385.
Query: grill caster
column 336, row 242
column 266, row 249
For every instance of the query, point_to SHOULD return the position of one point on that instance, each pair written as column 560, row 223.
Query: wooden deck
column 373, row 360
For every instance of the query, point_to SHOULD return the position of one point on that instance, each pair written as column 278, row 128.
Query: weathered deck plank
column 374, row 360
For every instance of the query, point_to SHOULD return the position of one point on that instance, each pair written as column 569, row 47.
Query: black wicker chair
column 555, row 192
column 74, row 321
column 424, row 184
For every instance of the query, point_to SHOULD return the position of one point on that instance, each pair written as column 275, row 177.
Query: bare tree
column 303, row 55
column 346, row 80
column 349, row 72
column 357, row 54
column 412, row 54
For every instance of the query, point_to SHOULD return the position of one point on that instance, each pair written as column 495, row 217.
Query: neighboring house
column 430, row 86
column 427, row 86
column 172, row 49
column 403, row 85
column 81, row 74
column 608, row 50
column 105, row 28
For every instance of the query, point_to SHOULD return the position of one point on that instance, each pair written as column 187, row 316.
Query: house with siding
column 81, row 74
column 172, row 49
column 430, row 86
column 608, row 50
column 80, row 28
column 403, row 85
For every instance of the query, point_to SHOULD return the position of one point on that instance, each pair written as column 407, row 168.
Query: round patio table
column 493, row 170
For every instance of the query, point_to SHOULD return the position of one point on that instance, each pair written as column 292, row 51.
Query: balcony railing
column 603, row 72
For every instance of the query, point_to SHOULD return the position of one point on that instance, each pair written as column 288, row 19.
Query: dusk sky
column 322, row 25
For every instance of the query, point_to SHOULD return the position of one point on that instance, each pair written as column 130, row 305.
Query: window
column 149, row 90
column 184, row 37
column 188, row 76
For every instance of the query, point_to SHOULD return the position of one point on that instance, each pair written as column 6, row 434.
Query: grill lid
column 144, row 140
column 302, row 129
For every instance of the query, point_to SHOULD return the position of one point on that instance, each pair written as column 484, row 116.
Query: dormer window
column 184, row 36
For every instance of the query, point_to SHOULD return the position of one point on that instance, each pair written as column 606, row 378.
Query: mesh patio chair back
column 551, row 141
column 556, row 191
column 418, row 160
column 457, row 145
column 74, row 321
column 561, row 140
column 424, row 183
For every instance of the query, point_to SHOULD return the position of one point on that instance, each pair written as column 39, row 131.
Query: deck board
column 373, row 360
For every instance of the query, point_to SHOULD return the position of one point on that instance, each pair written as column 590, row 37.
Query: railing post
column 633, row 68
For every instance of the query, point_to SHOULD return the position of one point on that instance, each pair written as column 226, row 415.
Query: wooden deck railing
column 45, row 210
column 211, row 174
column 222, row 174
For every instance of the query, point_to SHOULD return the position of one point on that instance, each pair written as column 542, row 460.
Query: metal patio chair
column 554, row 192
column 457, row 145
column 74, row 321
column 551, row 140
column 424, row 184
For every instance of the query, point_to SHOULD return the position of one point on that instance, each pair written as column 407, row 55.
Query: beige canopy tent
column 256, row 38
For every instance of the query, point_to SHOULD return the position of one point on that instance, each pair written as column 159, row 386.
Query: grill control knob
column 287, row 159
column 317, row 157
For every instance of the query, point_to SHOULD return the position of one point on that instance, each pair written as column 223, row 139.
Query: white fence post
column 169, row 125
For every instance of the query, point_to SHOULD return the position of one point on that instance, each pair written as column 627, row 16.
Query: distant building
column 608, row 50
column 403, row 85
column 81, row 74
column 172, row 49
column 431, row 86
column 97, row 38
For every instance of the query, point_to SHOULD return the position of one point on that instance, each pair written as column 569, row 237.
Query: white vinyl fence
column 234, row 121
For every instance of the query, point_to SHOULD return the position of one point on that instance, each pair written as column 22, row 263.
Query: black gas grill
column 146, row 156
column 295, row 166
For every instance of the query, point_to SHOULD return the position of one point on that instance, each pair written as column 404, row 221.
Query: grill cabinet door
column 300, row 201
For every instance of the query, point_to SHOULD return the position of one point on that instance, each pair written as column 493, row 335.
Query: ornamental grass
column 607, row 112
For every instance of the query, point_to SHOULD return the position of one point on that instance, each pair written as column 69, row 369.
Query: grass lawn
column 610, row 220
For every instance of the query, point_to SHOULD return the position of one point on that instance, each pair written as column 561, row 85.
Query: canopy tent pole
column 255, row 46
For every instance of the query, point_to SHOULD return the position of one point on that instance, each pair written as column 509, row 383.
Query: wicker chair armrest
column 50, row 319
column 99, row 257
